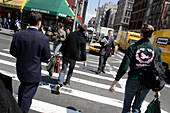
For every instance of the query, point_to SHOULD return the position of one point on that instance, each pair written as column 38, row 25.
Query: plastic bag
column 154, row 106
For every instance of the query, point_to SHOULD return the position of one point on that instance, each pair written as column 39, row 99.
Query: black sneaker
column 58, row 89
column 51, row 74
column 98, row 72
column 66, row 84
column 103, row 71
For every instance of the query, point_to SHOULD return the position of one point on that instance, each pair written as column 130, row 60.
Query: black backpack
column 154, row 77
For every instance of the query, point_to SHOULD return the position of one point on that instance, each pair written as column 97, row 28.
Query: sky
column 92, row 4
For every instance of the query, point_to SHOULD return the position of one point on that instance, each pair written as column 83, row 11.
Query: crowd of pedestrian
column 72, row 46
column 10, row 23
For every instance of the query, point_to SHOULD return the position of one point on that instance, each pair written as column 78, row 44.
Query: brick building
column 138, row 14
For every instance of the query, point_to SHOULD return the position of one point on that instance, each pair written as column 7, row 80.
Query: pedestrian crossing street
column 85, row 84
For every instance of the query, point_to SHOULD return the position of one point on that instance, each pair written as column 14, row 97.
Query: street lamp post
column 96, row 22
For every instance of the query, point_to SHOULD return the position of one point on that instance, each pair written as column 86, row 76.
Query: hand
column 57, row 53
column 115, row 53
column 84, row 64
column 112, row 88
column 106, row 42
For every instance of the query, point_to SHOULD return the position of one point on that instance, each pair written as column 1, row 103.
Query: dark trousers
column 102, row 62
column 26, row 93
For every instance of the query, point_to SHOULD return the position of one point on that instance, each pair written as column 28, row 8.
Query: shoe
column 51, row 74
column 58, row 89
column 103, row 71
column 66, row 84
column 97, row 72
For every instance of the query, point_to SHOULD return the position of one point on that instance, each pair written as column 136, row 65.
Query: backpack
column 153, row 77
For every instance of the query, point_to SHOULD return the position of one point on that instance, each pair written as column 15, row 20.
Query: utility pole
column 75, row 17
column 82, row 8
column 96, row 22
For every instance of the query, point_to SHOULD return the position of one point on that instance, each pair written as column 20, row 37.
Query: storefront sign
column 13, row 3
column 10, row 5
column 39, row 10
column 62, row 15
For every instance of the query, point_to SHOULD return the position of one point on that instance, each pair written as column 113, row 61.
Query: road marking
column 5, row 39
column 96, row 98
column 91, row 97
column 7, row 55
column 90, row 83
column 7, row 63
column 121, row 53
column 44, row 107
column 119, row 56
column 115, row 67
column 76, row 71
column 119, row 61
column 6, row 50
column 73, row 78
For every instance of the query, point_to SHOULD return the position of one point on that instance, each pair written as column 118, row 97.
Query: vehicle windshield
column 133, row 41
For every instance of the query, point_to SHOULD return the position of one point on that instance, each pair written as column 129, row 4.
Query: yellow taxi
column 95, row 47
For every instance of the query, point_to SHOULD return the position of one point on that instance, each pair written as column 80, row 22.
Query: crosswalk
column 85, row 84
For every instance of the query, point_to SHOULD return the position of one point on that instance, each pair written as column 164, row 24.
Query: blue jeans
column 64, row 69
column 134, row 90
column 56, row 48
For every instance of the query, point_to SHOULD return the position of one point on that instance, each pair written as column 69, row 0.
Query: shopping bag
column 154, row 106
column 51, row 64
column 57, row 65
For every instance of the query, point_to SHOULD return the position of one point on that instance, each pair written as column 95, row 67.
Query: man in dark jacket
column 106, row 44
column 74, row 49
column 30, row 48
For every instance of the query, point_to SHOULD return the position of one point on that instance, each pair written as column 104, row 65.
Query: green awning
column 52, row 7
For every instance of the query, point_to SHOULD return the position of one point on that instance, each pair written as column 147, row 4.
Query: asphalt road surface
column 88, row 92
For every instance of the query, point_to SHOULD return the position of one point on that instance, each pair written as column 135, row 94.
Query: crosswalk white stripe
column 6, row 50
column 118, row 52
column 7, row 55
column 90, row 83
column 10, row 56
column 115, row 67
column 119, row 56
column 7, row 63
column 73, row 78
column 45, row 107
column 5, row 38
column 75, row 71
column 93, row 97
column 89, row 63
column 97, row 98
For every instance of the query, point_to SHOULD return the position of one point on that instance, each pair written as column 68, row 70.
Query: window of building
column 127, row 13
column 130, row 5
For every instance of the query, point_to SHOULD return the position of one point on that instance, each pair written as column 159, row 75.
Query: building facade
column 123, row 14
column 155, row 12
column 138, row 14
column 107, row 15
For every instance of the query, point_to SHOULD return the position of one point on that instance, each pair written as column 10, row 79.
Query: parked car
column 95, row 47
